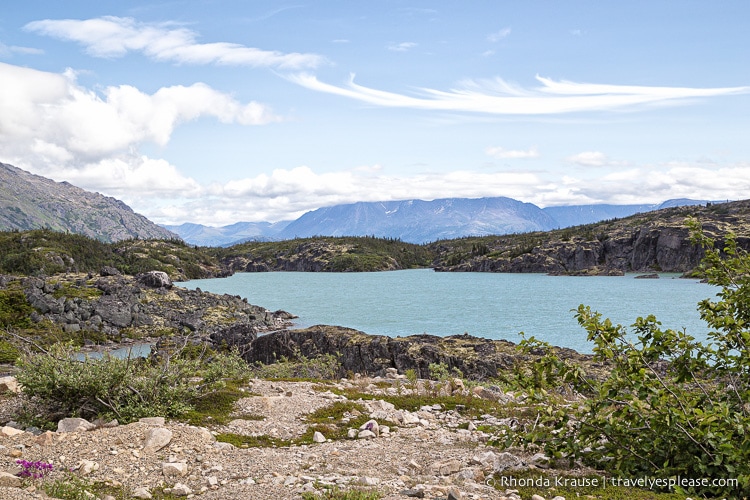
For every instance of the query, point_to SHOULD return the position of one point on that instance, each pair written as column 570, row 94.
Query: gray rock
column 155, row 279
column 372, row 426
column 174, row 469
column 181, row 490
column 445, row 467
column 9, row 480
column 156, row 439
column 413, row 493
column 142, row 493
column 74, row 425
column 318, row 437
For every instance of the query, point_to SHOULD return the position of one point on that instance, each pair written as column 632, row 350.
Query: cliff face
column 29, row 201
column 657, row 241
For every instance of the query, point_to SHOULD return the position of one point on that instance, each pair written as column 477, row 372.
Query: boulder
column 155, row 279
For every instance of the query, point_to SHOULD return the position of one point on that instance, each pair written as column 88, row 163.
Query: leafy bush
column 671, row 406
column 123, row 388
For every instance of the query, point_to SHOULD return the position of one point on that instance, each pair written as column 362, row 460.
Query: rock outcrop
column 116, row 306
column 658, row 241
column 476, row 358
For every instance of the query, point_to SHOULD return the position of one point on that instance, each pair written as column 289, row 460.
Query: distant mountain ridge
column 418, row 221
column 29, row 201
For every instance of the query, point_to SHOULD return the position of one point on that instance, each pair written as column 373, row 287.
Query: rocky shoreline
column 430, row 452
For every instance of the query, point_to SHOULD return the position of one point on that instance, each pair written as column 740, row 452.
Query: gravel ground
column 431, row 455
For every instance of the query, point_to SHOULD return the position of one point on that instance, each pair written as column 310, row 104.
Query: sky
column 218, row 111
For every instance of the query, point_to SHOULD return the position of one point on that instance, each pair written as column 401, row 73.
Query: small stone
column 86, row 467
column 372, row 426
column 537, row 497
column 9, row 480
column 471, row 426
column 352, row 434
column 212, row 481
column 365, row 434
column 45, row 439
column 454, row 494
column 156, row 439
column 9, row 384
column 368, row 481
column 181, row 490
column 318, row 437
column 7, row 431
column 74, row 425
column 445, row 467
column 174, row 469
column 413, row 493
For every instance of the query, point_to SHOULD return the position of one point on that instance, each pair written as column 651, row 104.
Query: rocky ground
column 430, row 453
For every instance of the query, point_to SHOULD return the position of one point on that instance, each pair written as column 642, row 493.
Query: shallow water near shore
column 490, row 305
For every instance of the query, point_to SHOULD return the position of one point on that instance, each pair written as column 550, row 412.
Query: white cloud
column 501, row 153
column 503, row 98
column 589, row 159
column 286, row 194
column 401, row 47
column 111, row 36
column 52, row 116
column 499, row 35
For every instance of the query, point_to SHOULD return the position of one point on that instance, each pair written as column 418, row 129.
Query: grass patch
column 262, row 441
column 74, row 291
column 73, row 487
column 533, row 482
column 216, row 407
column 338, row 494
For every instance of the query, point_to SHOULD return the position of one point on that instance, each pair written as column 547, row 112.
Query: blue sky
column 224, row 111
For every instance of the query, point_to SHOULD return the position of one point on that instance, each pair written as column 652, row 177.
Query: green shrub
column 123, row 388
column 671, row 406
column 15, row 310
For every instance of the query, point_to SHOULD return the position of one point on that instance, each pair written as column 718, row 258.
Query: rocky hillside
column 647, row 242
column 111, row 308
column 29, row 201
column 45, row 252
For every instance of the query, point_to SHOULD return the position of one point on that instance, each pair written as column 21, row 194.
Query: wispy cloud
column 501, row 153
column 498, row 35
column 111, row 36
column 402, row 47
column 502, row 98
column 6, row 50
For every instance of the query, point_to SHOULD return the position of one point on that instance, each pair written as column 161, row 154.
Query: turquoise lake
column 491, row 305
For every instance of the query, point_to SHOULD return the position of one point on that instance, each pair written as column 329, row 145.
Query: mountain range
column 418, row 221
column 29, row 201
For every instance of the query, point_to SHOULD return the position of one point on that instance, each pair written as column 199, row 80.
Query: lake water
column 491, row 305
